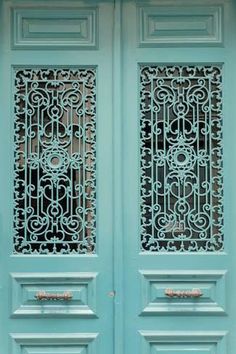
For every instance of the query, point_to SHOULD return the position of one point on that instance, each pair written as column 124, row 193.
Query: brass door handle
column 194, row 293
column 42, row 295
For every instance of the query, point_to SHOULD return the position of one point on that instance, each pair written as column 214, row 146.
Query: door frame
column 118, row 253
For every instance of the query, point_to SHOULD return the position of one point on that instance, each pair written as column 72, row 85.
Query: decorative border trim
column 180, row 26
column 37, row 28
column 20, row 307
column 22, row 340
column 216, row 338
column 212, row 302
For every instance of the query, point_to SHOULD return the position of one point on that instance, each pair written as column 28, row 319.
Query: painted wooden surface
column 154, row 322
column 119, row 301
column 72, row 36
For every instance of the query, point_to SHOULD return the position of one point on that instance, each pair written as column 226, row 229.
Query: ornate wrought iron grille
column 55, row 161
column 181, row 159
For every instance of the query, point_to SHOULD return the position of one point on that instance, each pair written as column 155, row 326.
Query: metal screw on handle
column 42, row 295
column 194, row 293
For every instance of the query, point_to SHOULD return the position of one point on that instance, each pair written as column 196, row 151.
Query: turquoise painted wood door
column 117, row 212
column 56, row 192
column 179, row 191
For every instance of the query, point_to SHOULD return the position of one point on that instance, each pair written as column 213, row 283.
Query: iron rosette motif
column 181, row 158
column 55, row 161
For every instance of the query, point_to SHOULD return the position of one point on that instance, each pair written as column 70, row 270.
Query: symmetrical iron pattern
column 181, row 159
column 55, row 161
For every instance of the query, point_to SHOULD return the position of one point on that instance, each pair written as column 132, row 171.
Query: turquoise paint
column 163, row 320
column 181, row 167
column 84, row 321
column 139, row 318
column 55, row 161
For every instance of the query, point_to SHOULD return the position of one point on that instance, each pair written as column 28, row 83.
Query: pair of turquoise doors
column 117, row 213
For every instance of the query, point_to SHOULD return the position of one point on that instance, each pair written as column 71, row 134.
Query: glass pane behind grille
column 181, row 158
column 55, row 156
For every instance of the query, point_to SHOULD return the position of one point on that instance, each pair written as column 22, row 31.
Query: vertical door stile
column 118, row 180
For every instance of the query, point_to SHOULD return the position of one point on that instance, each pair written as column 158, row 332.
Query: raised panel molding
column 82, row 286
column 207, row 342
column 210, row 283
column 62, row 343
column 180, row 25
column 45, row 28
